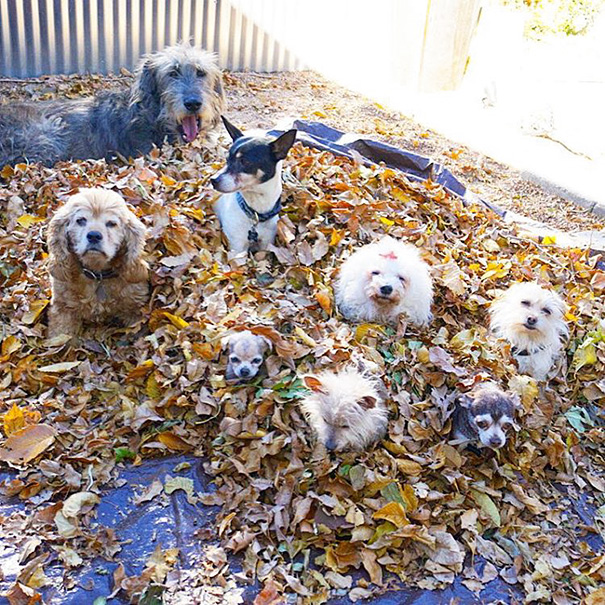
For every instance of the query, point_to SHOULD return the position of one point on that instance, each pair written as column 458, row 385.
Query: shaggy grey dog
column 176, row 95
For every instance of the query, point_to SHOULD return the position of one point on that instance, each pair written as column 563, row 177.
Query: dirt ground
column 260, row 100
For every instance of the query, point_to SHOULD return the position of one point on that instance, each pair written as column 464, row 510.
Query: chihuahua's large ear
column 313, row 383
column 466, row 401
column 516, row 401
column 61, row 257
column 225, row 341
column 268, row 344
column 134, row 241
column 282, row 144
column 234, row 132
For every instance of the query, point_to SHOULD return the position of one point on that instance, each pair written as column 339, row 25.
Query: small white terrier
column 345, row 409
column 383, row 280
column 530, row 318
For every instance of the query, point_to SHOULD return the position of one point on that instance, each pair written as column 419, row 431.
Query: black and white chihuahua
column 251, row 182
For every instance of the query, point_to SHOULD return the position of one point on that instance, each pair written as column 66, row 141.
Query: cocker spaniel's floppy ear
column 135, row 233
column 61, row 258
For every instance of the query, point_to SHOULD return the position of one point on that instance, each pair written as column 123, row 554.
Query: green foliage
column 557, row 17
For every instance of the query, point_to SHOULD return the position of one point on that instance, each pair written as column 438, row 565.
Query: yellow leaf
column 9, row 345
column 14, row 420
column 174, row 442
column 409, row 468
column 24, row 445
column 173, row 484
column 527, row 389
column 319, row 113
column 596, row 597
column 57, row 368
column 175, row 320
column 487, row 506
column 225, row 523
column 35, row 309
column 27, row 220
column 141, row 370
column 386, row 221
column 169, row 182
column 152, row 388
column 549, row 240
column 79, row 503
column 393, row 512
column 305, row 337
column 324, row 300
column 585, row 355
column 336, row 236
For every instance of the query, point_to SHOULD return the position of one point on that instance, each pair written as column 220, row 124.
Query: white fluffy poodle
column 383, row 280
column 530, row 318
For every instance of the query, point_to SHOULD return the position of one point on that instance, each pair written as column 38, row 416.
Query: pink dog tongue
column 190, row 128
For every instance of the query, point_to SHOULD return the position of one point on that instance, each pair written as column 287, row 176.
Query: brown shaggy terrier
column 95, row 245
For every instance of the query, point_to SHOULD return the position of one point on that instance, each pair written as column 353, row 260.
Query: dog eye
column 526, row 303
column 375, row 272
column 402, row 279
column 234, row 359
column 483, row 424
column 256, row 360
column 546, row 311
column 81, row 221
column 200, row 73
column 506, row 426
column 174, row 72
column 111, row 224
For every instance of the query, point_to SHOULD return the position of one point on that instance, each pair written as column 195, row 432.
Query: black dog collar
column 525, row 352
column 259, row 217
column 99, row 275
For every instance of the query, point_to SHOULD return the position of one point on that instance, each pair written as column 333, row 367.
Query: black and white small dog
column 251, row 180
column 484, row 416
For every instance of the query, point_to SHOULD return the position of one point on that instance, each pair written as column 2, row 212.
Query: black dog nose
column 214, row 181
column 192, row 104
column 532, row 321
column 244, row 372
column 495, row 442
column 94, row 237
column 386, row 290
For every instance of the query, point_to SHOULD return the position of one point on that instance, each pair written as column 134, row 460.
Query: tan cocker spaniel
column 95, row 246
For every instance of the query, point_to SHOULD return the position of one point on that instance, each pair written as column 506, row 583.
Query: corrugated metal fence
column 68, row 36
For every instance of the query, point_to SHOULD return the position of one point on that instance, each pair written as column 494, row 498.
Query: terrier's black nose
column 532, row 321
column 244, row 372
column 330, row 444
column 94, row 237
column 192, row 104
column 496, row 442
column 386, row 290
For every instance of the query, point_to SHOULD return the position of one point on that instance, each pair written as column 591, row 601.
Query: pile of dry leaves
column 415, row 507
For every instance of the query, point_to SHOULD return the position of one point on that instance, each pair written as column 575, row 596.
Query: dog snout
column 386, row 290
column 192, row 104
column 496, row 442
column 94, row 237
column 331, row 443
column 532, row 320
column 244, row 372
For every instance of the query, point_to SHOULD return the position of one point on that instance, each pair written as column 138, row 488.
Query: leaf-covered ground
column 414, row 507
